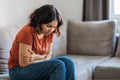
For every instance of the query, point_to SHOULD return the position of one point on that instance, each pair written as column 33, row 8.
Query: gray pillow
column 7, row 35
column 92, row 37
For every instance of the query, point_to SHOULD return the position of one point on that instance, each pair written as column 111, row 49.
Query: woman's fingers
column 27, row 56
column 27, row 59
column 31, row 51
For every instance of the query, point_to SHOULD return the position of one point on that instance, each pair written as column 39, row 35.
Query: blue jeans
column 59, row 68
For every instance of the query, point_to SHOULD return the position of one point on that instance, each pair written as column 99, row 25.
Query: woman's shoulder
column 26, row 29
column 25, row 35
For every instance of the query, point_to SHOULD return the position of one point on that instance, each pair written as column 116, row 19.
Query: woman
column 30, row 55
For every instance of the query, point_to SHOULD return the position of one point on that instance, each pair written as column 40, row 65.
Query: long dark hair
column 44, row 15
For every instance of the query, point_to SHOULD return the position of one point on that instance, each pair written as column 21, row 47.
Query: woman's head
column 46, row 18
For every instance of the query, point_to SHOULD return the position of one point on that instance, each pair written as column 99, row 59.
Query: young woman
column 30, row 55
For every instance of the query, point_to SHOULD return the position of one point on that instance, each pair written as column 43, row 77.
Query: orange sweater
column 27, row 36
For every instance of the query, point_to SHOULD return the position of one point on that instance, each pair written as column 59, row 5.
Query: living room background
column 17, row 11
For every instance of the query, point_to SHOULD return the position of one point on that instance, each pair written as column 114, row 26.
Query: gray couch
column 92, row 46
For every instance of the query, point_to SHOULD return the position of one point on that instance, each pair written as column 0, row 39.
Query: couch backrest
column 7, row 35
column 60, row 43
column 92, row 37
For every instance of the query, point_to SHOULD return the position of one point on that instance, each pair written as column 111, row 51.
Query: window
column 115, row 11
column 116, row 7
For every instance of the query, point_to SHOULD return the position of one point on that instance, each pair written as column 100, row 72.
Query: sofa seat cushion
column 92, row 37
column 84, row 65
column 109, row 70
column 4, row 77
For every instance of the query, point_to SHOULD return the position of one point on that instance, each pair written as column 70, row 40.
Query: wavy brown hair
column 44, row 15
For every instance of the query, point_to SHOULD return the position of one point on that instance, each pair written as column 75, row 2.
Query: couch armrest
column 116, row 45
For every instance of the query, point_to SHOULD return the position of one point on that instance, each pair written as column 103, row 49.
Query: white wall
column 70, row 9
column 17, row 11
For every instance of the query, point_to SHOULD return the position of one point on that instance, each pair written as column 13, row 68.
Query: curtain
column 94, row 10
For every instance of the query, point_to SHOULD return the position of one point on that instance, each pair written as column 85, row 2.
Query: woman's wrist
column 49, row 52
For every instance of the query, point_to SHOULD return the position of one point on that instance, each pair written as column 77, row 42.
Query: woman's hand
column 27, row 59
column 36, row 56
column 48, row 56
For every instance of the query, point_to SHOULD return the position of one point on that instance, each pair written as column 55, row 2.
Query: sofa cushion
column 108, row 70
column 7, row 35
column 92, row 37
column 84, row 65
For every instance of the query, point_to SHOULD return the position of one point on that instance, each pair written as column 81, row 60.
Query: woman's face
column 49, row 27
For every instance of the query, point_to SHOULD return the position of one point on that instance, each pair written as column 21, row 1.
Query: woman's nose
column 49, row 30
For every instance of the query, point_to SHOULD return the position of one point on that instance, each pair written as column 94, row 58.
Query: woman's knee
column 59, row 63
column 66, row 59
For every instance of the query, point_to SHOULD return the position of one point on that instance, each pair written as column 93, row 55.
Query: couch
column 94, row 47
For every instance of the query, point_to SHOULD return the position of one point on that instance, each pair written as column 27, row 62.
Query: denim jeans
column 59, row 68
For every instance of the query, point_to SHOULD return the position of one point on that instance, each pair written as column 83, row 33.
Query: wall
column 17, row 11
column 70, row 9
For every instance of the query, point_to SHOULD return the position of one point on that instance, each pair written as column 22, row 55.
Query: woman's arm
column 25, row 57
column 49, row 53
column 46, row 56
